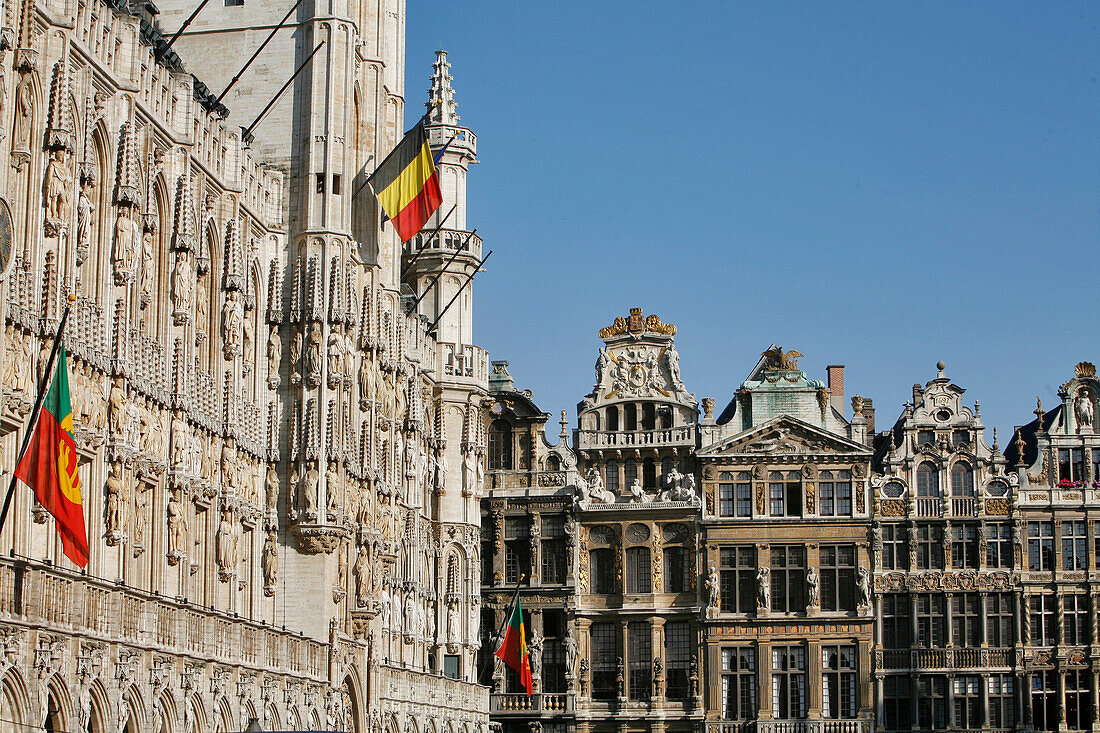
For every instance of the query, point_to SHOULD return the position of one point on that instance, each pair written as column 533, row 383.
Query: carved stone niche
column 314, row 539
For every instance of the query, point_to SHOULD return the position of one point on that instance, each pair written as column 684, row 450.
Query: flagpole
column 452, row 302
column 507, row 618
column 427, row 241
column 36, row 411
column 390, row 155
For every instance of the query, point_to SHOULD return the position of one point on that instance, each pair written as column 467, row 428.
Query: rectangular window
column 487, row 563
column 744, row 497
column 1000, row 628
column 931, row 621
column 964, row 546
column 233, row 3
column 553, row 651
column 895, row 549
column 788, row 682
column 835, row 494
column 739, row 683
column 960, row 437
column 676, row 569
column 335, row 184
column 897, row 703
column 1076, row 619
column 932, row 702
column 1075, row 553
column 725, row 500
column 968, row 701
column 641, row 659
column 1043, row 620
column 1040, row 546
column 735, row 499
column 1095, row 464
column 601, row 566
column 678, row 657
column 838, row 578
column 966, row 614
column 785, row 491
column 930, row 548
column 1071, row 464
column 1044, row 700
column 926, row 437
column 1079, row 699
column 451, row 662
column 1002, row 701
column 639, row 578
column 788, row 578
column 554, row 550
column 897, row 628
column 605, row 651
column 998, row 548
column 320, row 179
column 517, row 560
column 838, row 681
column 737, row 576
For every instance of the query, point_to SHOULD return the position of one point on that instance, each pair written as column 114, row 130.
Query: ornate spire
column 234, row 256
column 128, row 185
column 440, row 93
column 61, row 132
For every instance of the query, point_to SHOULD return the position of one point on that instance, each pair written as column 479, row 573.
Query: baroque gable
column 784, row 436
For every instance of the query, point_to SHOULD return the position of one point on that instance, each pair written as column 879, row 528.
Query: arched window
column 665, row 413
column 500, row 445
column 649, row 473
column 612, row 418
column 639, row 579
column 962, row 479
column 611, row 476
column 630, row 472
column 630, row 417
column 553, row 463
column 928, row 480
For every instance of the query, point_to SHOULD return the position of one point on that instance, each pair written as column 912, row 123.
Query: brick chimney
column 836, row 386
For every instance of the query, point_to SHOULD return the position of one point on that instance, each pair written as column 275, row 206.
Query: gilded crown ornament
column 636, row 324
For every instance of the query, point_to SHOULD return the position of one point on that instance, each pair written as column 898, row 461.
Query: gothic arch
column 158, row 321
column 294, row 721
column 272, row 721
column 131, row 709
column 96, row 272
column 223, row 716
column 197, row 719
column 314, row 720
column 166, row 710
column 14, row 703
column 353, row 717
column 59, row 704
column 99, row 707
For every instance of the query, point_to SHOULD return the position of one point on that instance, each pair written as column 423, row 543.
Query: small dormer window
column 926, row 437
column 960, row 437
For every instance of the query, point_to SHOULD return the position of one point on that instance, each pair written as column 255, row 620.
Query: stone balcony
column 446, row 241
column 945, row 659
column 540, row 703
column 46, row 597
column 612, row 439
column 462, row 363
column 790, row 726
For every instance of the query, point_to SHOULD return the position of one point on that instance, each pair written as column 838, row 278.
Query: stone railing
column 930, row 659
column 537, row 703
column 964, row 507
column 814, row 726
column 527, row 479
column 463, row 361
column 590, row 439
column 929, row 508
column 68, row 603
column 447, row 240
column 433, row 691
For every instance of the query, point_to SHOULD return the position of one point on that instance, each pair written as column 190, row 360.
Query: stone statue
column 115, row 515
column 638, row 495
column 125, row 245
column 313, row 356
column 24, row 110
column 58, row 181
column 713, row 588
column 269, row 563
column 271, row 491
column 361, row 570
column 601, row 364
column 226, row 545
column 863, row 588
column 535, row 652
column 148, row 272
column 410, row 614
column 26, row 371
column 763, row 589
column 672, row 359
column 247, row 338
column 366, row 382
column 183, row 286
column 274, row 355
column 179, row 441
column 202, row 303
column 813, row 588
column 307, row 492
column 232, row 317
column 384, row 607
column 296, row 357
column 118, row 402
column 85, row 212
column 453, row 631
column 177, row 523
column 570, row 645
column 335, row 359
column 229, row 467
column 332, row 483
column 1083, row 410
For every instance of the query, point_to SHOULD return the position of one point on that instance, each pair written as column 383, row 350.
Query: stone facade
column 822, row 577
column 265, row 428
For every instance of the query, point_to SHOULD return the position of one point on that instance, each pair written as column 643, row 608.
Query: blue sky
column 875, row 184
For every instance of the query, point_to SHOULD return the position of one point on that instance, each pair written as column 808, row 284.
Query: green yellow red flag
column 407, row 184
column 49, row 466
column 514, row 649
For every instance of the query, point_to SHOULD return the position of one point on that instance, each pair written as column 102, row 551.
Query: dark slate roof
column 1031, row 450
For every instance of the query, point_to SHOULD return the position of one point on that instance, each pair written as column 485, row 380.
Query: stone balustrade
column 595, row 439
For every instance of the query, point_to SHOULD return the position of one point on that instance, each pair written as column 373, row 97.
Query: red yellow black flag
column 407, row 184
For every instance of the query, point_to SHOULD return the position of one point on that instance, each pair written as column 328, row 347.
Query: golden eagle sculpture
column 780, row 360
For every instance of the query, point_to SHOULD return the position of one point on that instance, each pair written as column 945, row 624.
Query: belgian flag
column 407, row 184
column 49, row 466
column 514, row 649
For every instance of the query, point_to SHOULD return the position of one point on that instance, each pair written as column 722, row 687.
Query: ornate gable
column 784, row 436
